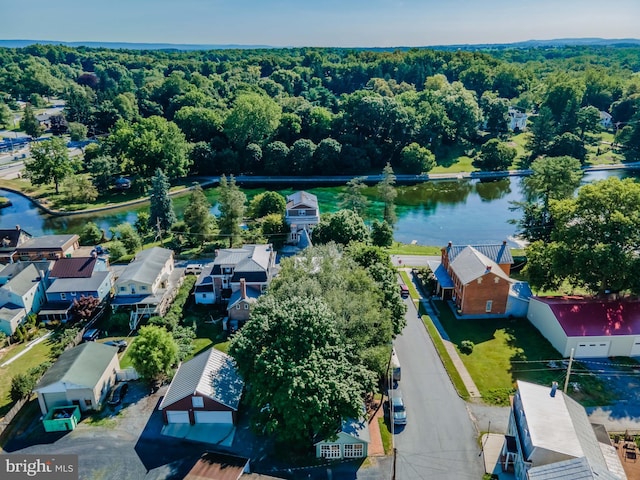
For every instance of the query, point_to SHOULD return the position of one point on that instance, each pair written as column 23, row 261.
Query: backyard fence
column 6, row 420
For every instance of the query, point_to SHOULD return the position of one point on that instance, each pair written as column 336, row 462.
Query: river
column 466, row 211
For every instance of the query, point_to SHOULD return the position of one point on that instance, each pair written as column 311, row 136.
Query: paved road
column 439, row 440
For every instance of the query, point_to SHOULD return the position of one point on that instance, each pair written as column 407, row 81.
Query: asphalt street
column 439, row 440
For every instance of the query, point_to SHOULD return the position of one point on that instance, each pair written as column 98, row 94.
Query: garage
column 635, row 348
column 177, row 416
column 592, row 349
column 213, row 417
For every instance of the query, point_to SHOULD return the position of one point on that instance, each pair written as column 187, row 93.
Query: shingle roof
column 211, row 373
column 302, row 198
column 23, row 281
column 48, row 242
column 559, row 423
column 83, row 365
column 470, row 264
column 63, row 285
column 252, row 296
column 250, row 262
column 499, row 253
column 146, row 266
column 586, row 317
column 74, row 267
column 9, row 311
column 574, row 469
column 9, row 237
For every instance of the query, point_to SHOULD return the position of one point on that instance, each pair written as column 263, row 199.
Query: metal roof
column 471, row 264
column 499, row 253
column 83, row 365
column 91, row 284
column 146, row 266
column 211, row 373
column 574, row 469
column 74, row 267
column 441, row 274
column 218, row 466
column 248, row 260
column 302, row 199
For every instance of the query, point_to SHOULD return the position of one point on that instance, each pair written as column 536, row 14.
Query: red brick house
column 476, row 278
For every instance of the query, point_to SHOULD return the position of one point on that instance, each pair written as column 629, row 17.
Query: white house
column 517, row 119
column 302, row 213
column 22, row 295
column 550, row 437
column 592, row 327
column 606, row 120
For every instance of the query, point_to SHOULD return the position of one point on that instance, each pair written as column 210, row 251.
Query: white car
column 194, row 269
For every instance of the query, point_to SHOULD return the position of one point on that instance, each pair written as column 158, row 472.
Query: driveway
column 439, row 440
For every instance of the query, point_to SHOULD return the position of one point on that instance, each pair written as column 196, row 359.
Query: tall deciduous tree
column 253, row 119
column 301, row 386
column 153, row 353
column 49, row 163
column 6, row 117
column 495, row 155
column 267, row 203
column 343, row 227
column 161, row 214
column 231, row 202
column 594, row 242
column 417, row 159
column 387, row 193
column 200, row 223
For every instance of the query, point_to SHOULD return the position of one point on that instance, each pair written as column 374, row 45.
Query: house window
column 330, row 451
column 63, row 296
column 302, row 213
column 353, row 450
column 204, row 295
column 489, row 306
column 479, row 280
column 197, row 402
column 143, row 287
column 88, row 402
column 246, row 306
column 238, row 307
column 123, row 289
column 73, row 294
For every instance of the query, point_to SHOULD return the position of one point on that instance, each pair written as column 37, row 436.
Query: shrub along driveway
column 512, row 349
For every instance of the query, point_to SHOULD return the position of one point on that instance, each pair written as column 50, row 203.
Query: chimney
column 554, row 387
column 504, row 243
column 243, row 289
column 488, row 269
column 18, row 227
column 450, row 244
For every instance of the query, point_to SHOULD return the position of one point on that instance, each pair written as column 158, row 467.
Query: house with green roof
column 81, row 376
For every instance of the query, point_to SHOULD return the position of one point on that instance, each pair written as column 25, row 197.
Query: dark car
column 91, row 335
column 117, row 393
column 121, row 344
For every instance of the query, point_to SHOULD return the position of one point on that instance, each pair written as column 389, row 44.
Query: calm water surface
column 431, row 213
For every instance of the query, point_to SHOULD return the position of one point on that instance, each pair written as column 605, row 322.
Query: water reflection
column 489, row 190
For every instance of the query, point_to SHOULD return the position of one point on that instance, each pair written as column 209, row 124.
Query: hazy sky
column 348, row 23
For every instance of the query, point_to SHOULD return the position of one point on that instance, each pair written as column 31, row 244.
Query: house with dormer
column 10, row 239
column 255, row 264
column 302, row 214
column 21, row 296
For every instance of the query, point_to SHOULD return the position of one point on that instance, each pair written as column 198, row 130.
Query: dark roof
column 48, row 242
column 217, row 466
column 499, row 253
column 9, row 237
column 74, row 267
column 588, row 317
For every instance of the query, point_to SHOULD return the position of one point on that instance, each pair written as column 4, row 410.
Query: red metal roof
column 590, row 317
column 75, row 267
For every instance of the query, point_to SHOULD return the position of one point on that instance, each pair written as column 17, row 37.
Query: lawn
column 512, row 349
column 39, row 354
column 407, row 249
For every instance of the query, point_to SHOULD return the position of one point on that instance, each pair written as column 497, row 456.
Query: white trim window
column 197, row 402
column 353, row 450
column 489, row 306
column 330, row 451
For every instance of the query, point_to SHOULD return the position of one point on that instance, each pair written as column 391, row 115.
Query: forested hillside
column 319, row 111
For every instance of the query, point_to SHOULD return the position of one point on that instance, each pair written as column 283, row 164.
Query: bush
column 90, row 234
column 118, row 322
column 21, row 386
column 116, row 250
column 466, row 347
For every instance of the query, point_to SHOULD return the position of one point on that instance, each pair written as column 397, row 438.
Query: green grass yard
column 509, row 350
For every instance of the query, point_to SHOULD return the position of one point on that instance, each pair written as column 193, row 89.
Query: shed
column 351, row 441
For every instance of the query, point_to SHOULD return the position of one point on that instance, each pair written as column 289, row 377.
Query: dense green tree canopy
column 232, row 203
column 161, row 214
column 495, row 155
column 49, row 163
column 343, row 227
column 154, row 352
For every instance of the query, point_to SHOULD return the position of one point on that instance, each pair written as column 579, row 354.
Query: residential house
column 517, row 119
column 240, row 304
column 591, row 327
column 476, row 278
column 10, row 239
column 19, row 297
column 205, row 390
column 351, row 441
column 48, row 247
column 550, row 437
column 81, row 376
column 222, row 466
column 606, row 120
column 302, row 213
column 256, row 264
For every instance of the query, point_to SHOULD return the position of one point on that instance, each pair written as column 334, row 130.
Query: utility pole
column 566, row 380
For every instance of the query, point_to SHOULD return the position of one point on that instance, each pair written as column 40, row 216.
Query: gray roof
column 470, row 264
column 48, row 242
column 574, row 469
column 559, row 423
column 146, row 266
column 252, row 296
column 10, row 311
column 211, row 373
column 91, row 284
column 499, row 253
column 302, row 198
column 23, row 281
column 249, row 259
column 357, row 429
column 83, row 365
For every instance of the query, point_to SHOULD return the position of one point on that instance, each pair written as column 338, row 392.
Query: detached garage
column 206, row 390
column 592, row 327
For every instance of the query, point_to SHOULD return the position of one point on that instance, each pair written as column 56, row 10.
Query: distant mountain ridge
column 559, row 42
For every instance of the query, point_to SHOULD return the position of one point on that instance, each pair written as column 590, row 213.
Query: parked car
column 194, row 268
column 117, row 393
column 396, row 404
column 90, row 335
column 404, row 291
column 121, row 344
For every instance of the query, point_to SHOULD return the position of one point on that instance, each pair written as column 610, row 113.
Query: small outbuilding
column 352, row 441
